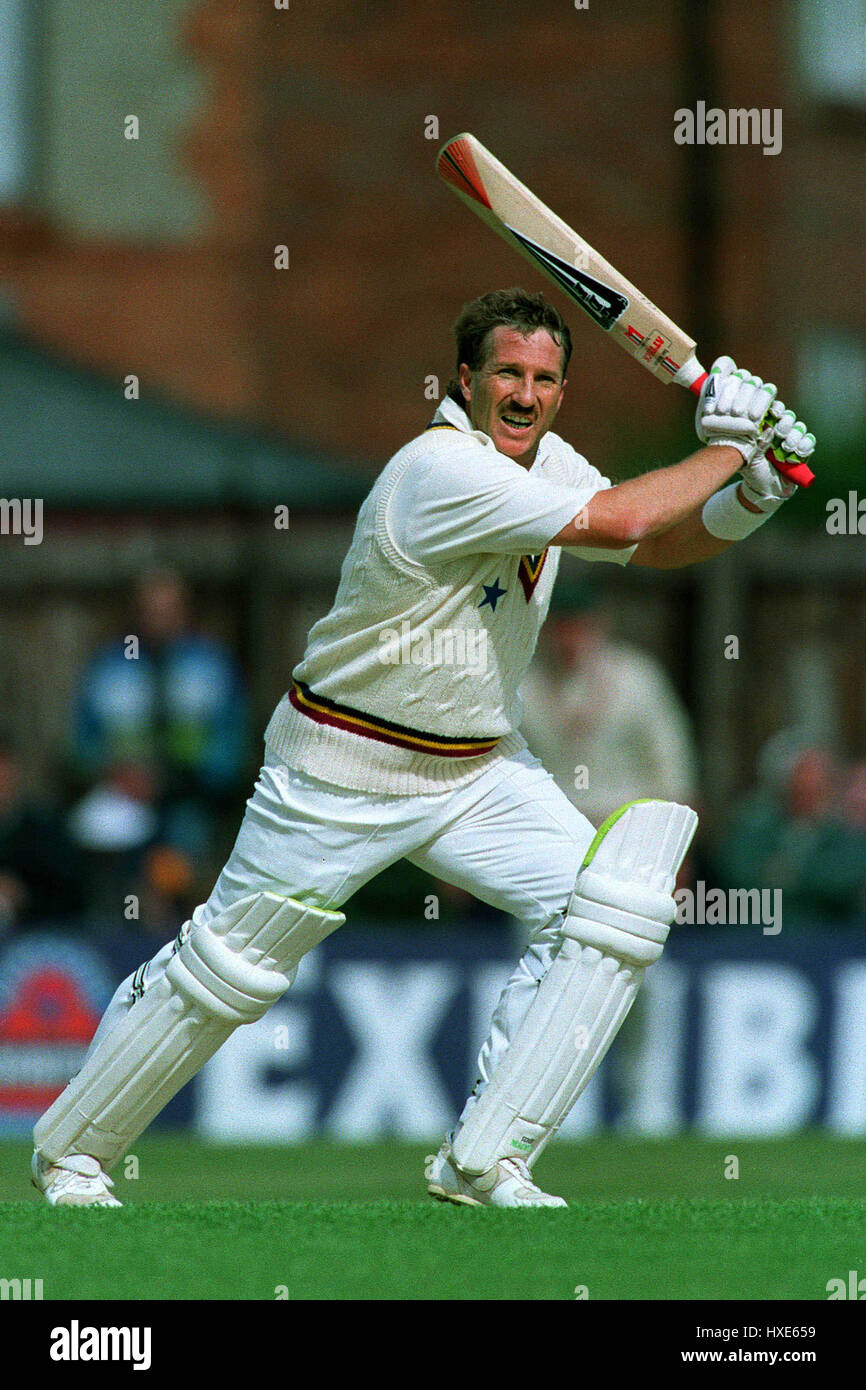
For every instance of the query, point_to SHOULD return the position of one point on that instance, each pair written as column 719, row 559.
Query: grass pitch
column 647, row 1220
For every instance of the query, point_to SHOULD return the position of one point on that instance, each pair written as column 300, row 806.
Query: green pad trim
column 612, row 820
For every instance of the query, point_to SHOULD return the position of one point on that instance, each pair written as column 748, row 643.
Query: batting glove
column 787, row 438
column 732, row 407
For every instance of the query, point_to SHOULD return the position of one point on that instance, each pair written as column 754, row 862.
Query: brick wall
column 312, row 134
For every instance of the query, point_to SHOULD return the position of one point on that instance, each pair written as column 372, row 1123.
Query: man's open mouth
column 516, row 422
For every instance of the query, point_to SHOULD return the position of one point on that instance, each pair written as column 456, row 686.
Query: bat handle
column 799, row 473
column 695, row 386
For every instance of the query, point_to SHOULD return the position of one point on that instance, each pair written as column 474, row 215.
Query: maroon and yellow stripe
column 530, row 572
column 353, row 721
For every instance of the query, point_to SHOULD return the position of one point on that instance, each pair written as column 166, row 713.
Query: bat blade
column 521, row 219
column 555, row 249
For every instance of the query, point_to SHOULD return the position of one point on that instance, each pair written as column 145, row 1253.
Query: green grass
column 647, row 1220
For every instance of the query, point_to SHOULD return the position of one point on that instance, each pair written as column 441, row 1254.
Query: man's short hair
column 513, row 308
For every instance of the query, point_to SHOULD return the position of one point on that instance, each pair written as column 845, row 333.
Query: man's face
column 514, row 396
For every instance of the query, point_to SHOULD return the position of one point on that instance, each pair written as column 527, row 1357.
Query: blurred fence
column 733, row 1034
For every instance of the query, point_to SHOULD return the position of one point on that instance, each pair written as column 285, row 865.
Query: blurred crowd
column 156, row 759
column 607, row 722
column 160, row 752
column 802, row 830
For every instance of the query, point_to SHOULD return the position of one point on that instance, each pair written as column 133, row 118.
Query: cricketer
column 386, row 748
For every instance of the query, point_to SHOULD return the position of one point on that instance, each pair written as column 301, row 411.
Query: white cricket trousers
column 510, row 838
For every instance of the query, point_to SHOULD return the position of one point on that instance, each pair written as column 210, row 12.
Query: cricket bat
column 611, row 300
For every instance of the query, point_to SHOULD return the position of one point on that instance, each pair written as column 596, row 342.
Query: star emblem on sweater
column 492, row 594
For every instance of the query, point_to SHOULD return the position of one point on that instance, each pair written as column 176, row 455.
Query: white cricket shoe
column 74, row 1181
column 508, row 1184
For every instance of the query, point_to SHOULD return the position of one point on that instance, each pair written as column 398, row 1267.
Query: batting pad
column 616, row 925
column 227, row 972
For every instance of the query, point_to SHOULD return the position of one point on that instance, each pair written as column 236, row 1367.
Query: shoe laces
column 522, row 1169
column 82, row 1166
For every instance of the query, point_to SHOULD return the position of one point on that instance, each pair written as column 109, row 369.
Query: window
column 17, row 82
column 102, row 62
column 832, row 369
column 832, row 47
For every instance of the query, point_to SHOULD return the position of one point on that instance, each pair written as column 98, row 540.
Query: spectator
column 41, row 877
column 796, row 832
column 596, row 703
column 114, row 825
column 165, row 704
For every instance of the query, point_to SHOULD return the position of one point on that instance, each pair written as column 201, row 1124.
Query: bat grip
column 799, row 473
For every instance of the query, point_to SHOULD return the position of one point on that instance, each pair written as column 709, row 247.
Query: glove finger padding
column 770, row 393
column 797, row 442
column 755, row 399
column 788, row 440
column 733, row 407
column 782, row 419
column 721, row 368
column 744, row 396
column 727, row 390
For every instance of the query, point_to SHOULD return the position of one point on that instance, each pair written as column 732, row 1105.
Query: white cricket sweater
column 409, row 684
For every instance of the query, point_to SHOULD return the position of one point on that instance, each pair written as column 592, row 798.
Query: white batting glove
column 763, row 485
column 732, row 407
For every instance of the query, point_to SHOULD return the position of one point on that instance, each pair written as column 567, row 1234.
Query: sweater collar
column 450, row 413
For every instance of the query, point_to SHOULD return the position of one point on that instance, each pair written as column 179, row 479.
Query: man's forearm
column 685, row 544
column 646, row 506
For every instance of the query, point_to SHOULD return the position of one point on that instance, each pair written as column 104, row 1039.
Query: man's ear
column 561, row 393
column 464, row 376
